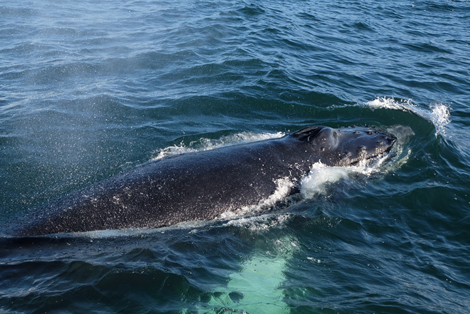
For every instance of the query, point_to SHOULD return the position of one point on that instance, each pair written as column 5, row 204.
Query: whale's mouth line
column 370, row 157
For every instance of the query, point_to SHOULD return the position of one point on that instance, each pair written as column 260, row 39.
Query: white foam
column 321, row 176
column 390, row 103
column 437, row 114
column 259, row 223
column 237, row 217
column 440, row 117
column 283, row 188
column 207, row 144
column 135, row 232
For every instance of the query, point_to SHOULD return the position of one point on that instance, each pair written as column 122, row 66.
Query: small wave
column 322, row 176
column 208, row 144
column 437, row 114
column 259, row 223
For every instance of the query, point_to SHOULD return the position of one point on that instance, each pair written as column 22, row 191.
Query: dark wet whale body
column 204, row 185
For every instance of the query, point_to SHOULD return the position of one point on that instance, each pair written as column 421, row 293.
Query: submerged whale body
column 206, row 184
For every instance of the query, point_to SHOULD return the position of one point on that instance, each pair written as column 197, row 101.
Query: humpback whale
column 204, row 185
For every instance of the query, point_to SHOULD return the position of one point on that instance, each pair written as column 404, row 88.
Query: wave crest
column 438, row 114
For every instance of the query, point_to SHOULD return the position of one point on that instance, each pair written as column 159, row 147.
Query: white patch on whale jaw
column 284, row 187
column 280, row 195
column 361, row 160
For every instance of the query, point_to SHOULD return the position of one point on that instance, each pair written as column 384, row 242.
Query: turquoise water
column 88, row 90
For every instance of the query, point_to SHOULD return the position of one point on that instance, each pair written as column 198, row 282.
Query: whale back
column 203, row 185
column 187, row 187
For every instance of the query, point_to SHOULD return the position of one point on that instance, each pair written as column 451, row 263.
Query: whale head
column 346, row 146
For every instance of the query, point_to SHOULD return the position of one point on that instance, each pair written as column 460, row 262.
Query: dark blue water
column 89, row 89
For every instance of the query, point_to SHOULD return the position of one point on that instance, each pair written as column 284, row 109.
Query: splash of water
column 320, row 176
column 440, row 117
column 208, row 144
column 438, row 114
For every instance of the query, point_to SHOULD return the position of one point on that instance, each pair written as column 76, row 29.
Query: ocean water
column 92, row 88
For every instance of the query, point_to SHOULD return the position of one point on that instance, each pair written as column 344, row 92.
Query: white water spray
column 208, row 144
column 437, row 114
